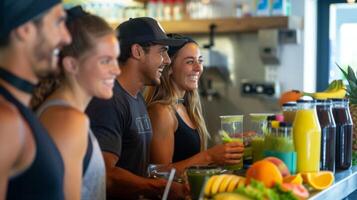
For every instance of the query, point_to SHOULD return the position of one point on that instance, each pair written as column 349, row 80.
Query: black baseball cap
column 144, row 29
column 174, row 49
column 14, row 13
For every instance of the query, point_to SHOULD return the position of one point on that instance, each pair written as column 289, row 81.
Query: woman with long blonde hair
column 176, row 116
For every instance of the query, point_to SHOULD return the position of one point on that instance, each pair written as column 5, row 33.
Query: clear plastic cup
column 162, row 171
column 258, row 124
column 232, row 125
column 197, row 175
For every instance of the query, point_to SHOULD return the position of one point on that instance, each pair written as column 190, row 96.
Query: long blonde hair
column 165, row 94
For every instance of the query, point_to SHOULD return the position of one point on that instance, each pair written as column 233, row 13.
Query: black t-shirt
column 122, row 126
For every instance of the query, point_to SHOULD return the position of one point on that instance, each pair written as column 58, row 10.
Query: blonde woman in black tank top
column 175, row 113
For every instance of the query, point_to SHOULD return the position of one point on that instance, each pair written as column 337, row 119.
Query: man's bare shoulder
column 9, row 114
column 10, row 117
column 12, row 138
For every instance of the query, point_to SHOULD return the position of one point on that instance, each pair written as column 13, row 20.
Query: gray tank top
column 93, row 181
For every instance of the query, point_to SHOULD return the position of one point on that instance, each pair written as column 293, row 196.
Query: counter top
column 345, row 184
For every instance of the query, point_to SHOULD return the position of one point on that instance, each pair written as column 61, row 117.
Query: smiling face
column 156, row 59
column 51, row 35
column 187, row 67
column 98, row 68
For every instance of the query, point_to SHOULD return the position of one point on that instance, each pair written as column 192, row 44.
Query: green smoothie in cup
column 257, row 148
column 226, row 139
column 196, row 176
column 240, row 164
column 232, row 131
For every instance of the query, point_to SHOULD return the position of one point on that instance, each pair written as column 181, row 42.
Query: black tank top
column 44, row 177
column 187, row 141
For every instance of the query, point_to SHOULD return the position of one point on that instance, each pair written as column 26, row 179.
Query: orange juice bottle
column 307, row 137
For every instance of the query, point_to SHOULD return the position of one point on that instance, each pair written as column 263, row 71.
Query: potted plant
column 351, row 78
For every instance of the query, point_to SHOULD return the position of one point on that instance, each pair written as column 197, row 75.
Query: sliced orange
column 295, row 179
column 318, row 180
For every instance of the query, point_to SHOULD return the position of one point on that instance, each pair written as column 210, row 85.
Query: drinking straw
column 168, row 184
column 202, row 193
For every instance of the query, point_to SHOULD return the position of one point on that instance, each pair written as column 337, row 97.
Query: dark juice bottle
column 328, row 135
column 344, row 125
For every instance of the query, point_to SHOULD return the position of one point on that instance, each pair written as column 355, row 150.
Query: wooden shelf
column 228, row 25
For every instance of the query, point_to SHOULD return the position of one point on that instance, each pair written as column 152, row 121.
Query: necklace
column 16, row 81
column 180, row 100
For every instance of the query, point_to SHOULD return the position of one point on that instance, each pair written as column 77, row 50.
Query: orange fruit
column 295, row 179
column 291, row 95
column 264, row 171
column 319, row 180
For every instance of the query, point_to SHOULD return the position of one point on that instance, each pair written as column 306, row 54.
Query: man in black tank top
column 31, row 31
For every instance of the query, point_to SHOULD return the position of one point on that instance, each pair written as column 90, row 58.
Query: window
column 337, row 30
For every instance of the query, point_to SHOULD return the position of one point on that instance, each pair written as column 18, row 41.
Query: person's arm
column 108, row 122
column 222, row 154
column 69, row 130
column 123, row 184
column 164, row 124
column 11, row 143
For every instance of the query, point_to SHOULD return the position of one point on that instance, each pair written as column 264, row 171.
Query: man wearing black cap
column 121, row 124
column 31, row 32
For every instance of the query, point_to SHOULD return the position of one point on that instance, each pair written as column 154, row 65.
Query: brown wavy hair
column 84, row 29
column 165, row 94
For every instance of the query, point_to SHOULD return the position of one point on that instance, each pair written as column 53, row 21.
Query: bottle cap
column 275, row 124
column 289, row 104
column 305, row 101
column 284, row 124
column 279, row 117
column 271, row 117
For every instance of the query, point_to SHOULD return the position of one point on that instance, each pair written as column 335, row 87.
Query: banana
column 217, row 184
column 209, row 185
column 233, row 184
column 338, row 94
column 225, row 182
column 332, row 86
column 335, row 85
column 336, row 89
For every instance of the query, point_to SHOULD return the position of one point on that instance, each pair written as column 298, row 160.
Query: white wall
column 298, row 67
column 296, row 71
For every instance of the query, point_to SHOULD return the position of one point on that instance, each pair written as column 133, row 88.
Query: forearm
column 126, row 185
column 202, row 158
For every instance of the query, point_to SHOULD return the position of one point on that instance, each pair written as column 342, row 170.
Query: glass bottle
column 285, row 146
column 344, row 125
column 178, row 10
column 328, row 135
column 307, row 137
column 168, row 7
column 289, row 111
column 152, row 8
column 160, row 10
